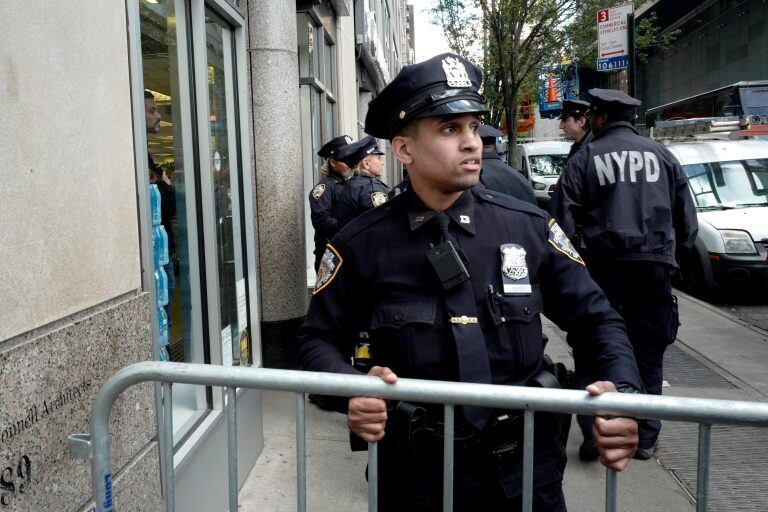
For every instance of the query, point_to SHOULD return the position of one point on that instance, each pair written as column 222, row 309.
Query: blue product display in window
column 161, row 284
column 154, row 201
column 163, row 327
column 160, row 246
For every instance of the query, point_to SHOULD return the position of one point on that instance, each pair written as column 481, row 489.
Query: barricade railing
column 96, row 445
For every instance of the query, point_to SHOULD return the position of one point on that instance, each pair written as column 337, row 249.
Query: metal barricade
column 96, row 445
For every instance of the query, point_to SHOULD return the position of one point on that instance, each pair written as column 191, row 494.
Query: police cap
column 611, row 101
column 488, row 133
column 574, row 108
column 331, row 147
column 443, row 85
column 354, row 153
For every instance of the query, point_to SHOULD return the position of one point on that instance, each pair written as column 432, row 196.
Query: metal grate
column 738, row 464
column 682, row 369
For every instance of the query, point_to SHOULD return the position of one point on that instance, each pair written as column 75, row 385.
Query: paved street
column 750, row 306
column 716, row 356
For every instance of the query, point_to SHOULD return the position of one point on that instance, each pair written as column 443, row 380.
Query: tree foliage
column 511, row 38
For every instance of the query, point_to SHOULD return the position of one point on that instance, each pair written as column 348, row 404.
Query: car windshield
column 547, row 165
column 721, row 185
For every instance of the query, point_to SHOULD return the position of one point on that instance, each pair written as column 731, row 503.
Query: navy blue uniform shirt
column 322, row 201
column 376, row 274
column 361, row 193
column 498, row 176
column 629, row 195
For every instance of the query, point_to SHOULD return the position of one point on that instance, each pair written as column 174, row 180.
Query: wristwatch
column 628, row 388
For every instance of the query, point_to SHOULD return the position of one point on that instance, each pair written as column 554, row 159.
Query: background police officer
column 364, row 190
column 322, row 199
column 575, row 125
column 451, row 278
column 498, row 176
column 631, row 199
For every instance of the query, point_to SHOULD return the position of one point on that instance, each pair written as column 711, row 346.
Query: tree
column 518, row 36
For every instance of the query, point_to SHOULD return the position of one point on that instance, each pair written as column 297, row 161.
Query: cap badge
column 348, row 139
column 455, row 73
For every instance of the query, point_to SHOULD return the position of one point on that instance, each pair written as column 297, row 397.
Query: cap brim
column 466, row 106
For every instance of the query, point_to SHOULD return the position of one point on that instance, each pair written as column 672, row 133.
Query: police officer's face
column 445, row 155
column 374, row 165
column 152, row 116
column 574, row 128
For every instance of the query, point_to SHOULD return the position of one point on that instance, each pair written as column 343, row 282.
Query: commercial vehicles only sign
column 613, row 38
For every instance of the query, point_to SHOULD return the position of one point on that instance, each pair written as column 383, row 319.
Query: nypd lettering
column 627, row 166
column 329, row 267
column 514, row 270
column 559, row 241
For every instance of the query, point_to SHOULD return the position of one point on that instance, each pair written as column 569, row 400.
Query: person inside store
column 630, row 198
column 575, row 124
column 365, row 190
column 322, row 199
column 451, row 279
column 497, row 175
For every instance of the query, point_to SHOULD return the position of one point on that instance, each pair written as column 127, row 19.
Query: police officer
column 631, row 199
column 498, row 176
column 322, row 199
column 452, row 278
column 575, row 125
column 365, row 190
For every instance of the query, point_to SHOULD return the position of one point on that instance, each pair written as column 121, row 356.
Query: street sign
column 613, row 38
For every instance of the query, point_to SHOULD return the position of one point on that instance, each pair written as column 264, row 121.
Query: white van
column 728, row 180
column 542, row 163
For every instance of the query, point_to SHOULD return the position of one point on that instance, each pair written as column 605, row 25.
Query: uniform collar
column 613, row 126
column 462, row 212
column 490, row 155
column 338, row 177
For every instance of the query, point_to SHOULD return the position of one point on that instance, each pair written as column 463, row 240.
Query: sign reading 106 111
column 612, row 38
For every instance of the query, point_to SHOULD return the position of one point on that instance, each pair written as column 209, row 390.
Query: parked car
column 542, row 163
column 728, row 180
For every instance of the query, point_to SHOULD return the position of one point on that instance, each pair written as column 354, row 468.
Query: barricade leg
column 528, row 461
column 301, row 454
column 170, row 497
column 448, row 459
column 373, row 477
column 232, row 446
column 702, row 478
column 610, row 490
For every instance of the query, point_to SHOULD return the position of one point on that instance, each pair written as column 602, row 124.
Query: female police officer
column 323, row 197
column 507, row 262
column 365, row 190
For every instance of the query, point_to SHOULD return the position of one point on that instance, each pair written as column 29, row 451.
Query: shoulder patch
column 318, row 191
column 378, row 198
column 559, row 241
column 329, row 267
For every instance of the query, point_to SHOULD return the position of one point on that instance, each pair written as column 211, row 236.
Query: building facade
column 720, row 42
column 156, row 161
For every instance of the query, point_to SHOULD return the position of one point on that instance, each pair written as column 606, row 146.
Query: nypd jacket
column 630, row 197
column 498, row 176
column 376, row 276
column 322, row 201
column 361, row 193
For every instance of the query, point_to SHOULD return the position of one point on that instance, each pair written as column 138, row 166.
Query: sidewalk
column 335, row 475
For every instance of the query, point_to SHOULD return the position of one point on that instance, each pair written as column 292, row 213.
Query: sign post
column 613, row 50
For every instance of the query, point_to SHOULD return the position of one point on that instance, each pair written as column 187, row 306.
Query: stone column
column 279, row 193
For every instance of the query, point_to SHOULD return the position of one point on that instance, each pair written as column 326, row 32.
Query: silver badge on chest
column 513, row 263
